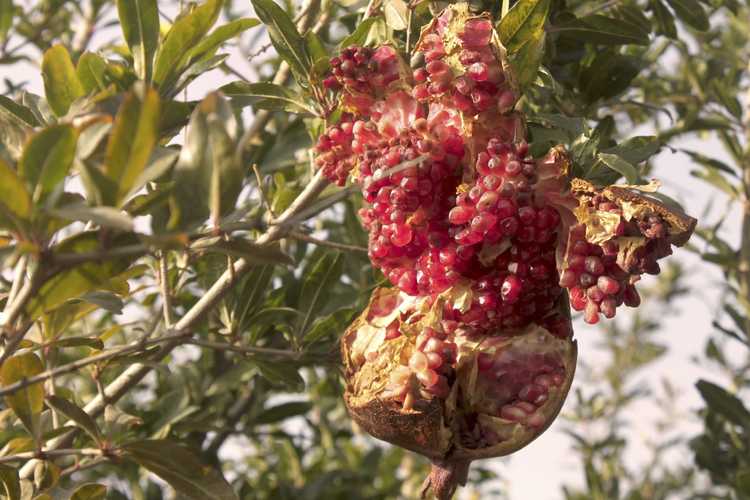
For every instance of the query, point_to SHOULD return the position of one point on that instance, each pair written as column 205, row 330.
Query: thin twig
column 43, row 455
column 72, row 259
column 136, row 347
column 297, row 235
column 224, row 346
column 166, row 293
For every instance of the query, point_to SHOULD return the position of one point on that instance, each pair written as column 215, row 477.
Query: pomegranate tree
column 471, row 353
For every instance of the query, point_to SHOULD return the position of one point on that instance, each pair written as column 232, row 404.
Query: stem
column 43, row 455
column 166, row 294
column 133, row 348
column 224, row 346
column 297, row 235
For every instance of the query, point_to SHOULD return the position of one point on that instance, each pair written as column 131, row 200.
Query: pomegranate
column 415, row 380
column 471, row 354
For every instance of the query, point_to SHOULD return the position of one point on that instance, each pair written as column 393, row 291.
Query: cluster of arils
column 621, row 235
column 471, row 354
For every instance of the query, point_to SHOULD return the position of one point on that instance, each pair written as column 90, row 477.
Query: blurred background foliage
column 178, row 308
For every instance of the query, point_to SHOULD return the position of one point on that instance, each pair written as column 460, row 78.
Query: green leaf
column 283, row 411
column 360, row 34
column 139, row 20
column 620, row 166
column 285, row 38
column 77, row 415
column 47, row 158
column 717, row 180
column 396, row 14
column 725, row 404
column 246, row 249
column 266, row 96
column 14, row 198
column 17, row 111
column 75, row 281
column 92, row 72
column 284, row 374
column 26, row 403
column 331, row 325
column 727, row 97
column 90, row 491
column 523, row 25
column 710, row 163
column 134, row 135
column 6, row 17
column 61, row 84
column 526, row 60
column 323, row 274
column 186, row 33
column 691, row 13
column 636, row 149
column 664, row 19
column 11, row 486
column 181, row 468
column 603, row 30
column 208, row 176
column 210, row 44
column 608, row 75
column 102, row 216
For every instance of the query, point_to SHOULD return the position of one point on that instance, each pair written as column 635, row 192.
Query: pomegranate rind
column 430, row 426
column 516, row 435
column 634, row 204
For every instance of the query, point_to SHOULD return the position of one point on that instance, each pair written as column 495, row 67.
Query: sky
column 538, row 471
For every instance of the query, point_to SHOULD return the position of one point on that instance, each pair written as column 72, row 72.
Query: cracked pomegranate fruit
column 471, row 353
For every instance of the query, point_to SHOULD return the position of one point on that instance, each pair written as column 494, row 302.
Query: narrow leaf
column 664, row 19
column 6, row 17
column 317, row 285
column 691, row 12
column 13, row 194
column 209, row 45
column 287, row 41
column 523, row 24
column 603, row 30
column 139, row 20
column 282, row 411
column 102, row 216
column 179, row 467
column 724, row 403
column 47, row 158
column 134, row 135
column 621, row 166
column 266, row 96
column 90, row 491
column 26, row 403
column 10, row 485
column 61, row 84
column 77, row 415
column 246, row 249
column 92, row 72
column 185, row 34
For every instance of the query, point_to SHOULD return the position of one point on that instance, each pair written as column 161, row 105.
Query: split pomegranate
column 471, row 354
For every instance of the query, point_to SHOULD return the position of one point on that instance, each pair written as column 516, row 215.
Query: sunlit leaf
column 139, row 20
column 287, row 41
column 266, row 96
column 691, row 12
column 77, row 415
column 47, row 158
column 61, row 84
column 90, row 491
column 27, row 403
column 134, row 135
column 179, row 467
